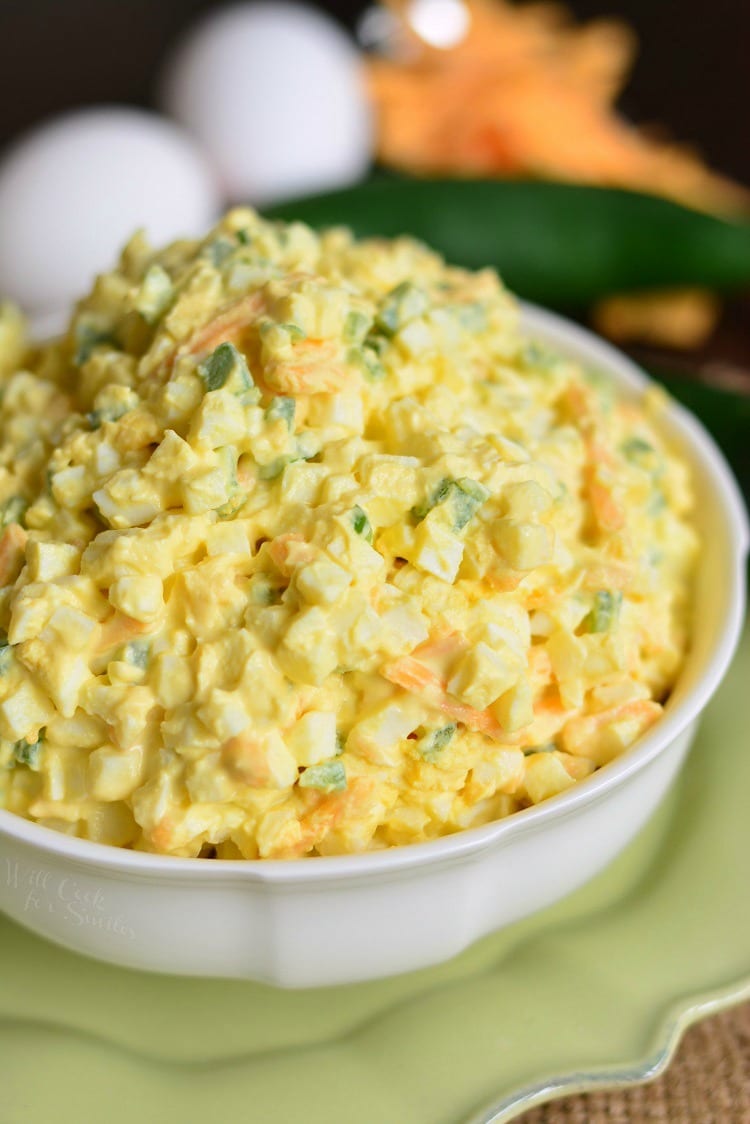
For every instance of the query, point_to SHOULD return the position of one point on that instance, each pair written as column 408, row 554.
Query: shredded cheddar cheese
column 307, row 548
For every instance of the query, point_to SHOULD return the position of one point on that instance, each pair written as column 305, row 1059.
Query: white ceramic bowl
column 355, row 917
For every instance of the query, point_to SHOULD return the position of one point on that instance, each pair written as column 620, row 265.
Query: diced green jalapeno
column 273, row 470
column 402, row 304
column 642, row 454
column 305, row 447
column 228, row 458
column 548, row 747
column 536, row 357
column 88, row 337
column 227, row 455
column 635, row 448
column 218, row 251
column 657, row 503
column 466, row 497
column 472, row 317
column 229, row 509
column 440, row 493
column 282, row 408
column 431, row 744
column 356, row 326
column 329, row 776
column 97, row 418
column 264, row 590
column 603, row 386
column 226, row 367
column 155, row 294
column 361, row 523
column 295, row 333
column 136, row 652
column 376, row 343
column 605, row 611
column 13, row 510
column 29, row 753
column 366, row 358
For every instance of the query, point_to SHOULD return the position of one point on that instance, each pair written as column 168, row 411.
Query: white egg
column 73, row 190
column 275, row 93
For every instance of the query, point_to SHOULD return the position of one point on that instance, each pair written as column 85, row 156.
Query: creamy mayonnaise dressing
column 307, row 549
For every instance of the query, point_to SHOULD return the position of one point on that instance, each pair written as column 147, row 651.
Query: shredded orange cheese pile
column 526, row 92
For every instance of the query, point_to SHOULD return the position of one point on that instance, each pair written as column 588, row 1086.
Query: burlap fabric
column 707, row 1083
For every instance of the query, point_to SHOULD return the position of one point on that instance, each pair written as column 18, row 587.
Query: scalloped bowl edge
column 349, row 918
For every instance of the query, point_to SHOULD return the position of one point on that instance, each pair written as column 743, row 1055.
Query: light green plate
column 594, row 991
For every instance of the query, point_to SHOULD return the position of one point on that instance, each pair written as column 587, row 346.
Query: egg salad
column 308, row 549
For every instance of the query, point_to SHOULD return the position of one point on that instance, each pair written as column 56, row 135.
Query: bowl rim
column 456, row 847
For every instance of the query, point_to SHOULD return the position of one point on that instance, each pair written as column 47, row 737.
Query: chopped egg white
column 306, row 549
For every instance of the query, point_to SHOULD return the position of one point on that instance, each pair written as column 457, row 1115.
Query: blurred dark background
column 692, row 75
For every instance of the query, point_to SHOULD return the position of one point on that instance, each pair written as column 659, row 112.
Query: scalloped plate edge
column 638, row 1071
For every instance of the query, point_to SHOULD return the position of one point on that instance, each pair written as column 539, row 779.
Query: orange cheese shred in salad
column 308, row 548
